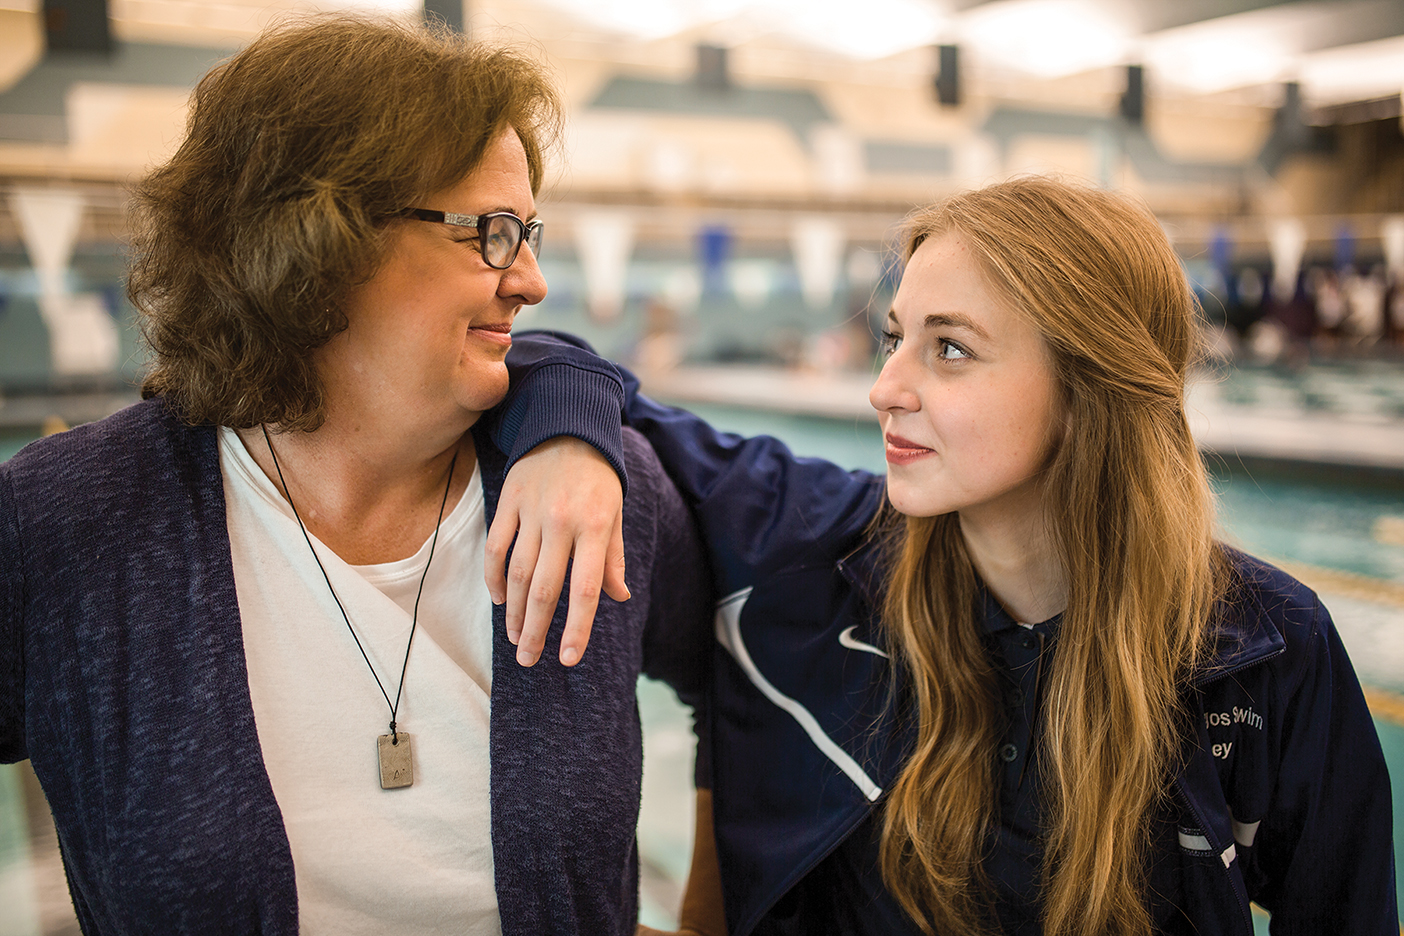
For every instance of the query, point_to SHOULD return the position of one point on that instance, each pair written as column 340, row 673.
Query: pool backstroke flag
column 604, row 241
column 82, row 335
column 817, row 242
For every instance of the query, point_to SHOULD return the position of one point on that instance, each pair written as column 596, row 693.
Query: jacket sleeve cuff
column 561, row 400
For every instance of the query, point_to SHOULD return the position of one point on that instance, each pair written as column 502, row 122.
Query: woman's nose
column 523, row 279
column 891, row 391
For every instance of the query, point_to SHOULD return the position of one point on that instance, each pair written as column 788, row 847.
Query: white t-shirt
column 411, row 861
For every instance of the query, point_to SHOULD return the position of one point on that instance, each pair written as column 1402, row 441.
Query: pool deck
column 30, row 411
column 1349, row 439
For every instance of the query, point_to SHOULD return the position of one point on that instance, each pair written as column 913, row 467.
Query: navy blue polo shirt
column 1023, row 655
column 844, row 894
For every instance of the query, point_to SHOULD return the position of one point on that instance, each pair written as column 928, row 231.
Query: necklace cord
column 414, row 620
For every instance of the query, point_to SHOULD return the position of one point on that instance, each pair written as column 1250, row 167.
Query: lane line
column 1385, row 705
column 1348, row 584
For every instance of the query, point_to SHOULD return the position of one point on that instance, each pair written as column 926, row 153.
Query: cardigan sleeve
column 677, row 639
column 12, row 743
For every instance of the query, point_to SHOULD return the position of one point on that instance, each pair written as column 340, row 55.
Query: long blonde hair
column 1129, row 509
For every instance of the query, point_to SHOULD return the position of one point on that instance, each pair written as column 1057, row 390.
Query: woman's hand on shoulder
column 564, row 505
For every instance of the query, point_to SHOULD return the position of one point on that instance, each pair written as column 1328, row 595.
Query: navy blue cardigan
column 122, row 678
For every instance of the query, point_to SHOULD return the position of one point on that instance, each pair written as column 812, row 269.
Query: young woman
column 1046, row 701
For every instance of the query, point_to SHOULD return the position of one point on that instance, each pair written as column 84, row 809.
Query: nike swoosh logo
column 846, row 638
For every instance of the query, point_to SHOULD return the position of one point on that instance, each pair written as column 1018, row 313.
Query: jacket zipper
column 1189, row 801
column 1237, row 668
column 1228, row 869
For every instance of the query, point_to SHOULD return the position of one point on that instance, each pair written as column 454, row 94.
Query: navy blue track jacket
column 1284, row 798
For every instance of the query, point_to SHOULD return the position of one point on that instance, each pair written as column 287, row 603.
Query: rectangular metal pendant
column 396, row 762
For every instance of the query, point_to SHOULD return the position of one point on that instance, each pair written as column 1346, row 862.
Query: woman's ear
column 1060, row 426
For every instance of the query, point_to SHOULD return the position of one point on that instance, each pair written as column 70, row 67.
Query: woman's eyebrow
column 954, row 320
column 510, row 211
column 946, row 320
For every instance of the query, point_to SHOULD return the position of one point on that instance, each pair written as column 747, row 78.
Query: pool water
column 1276, row 513
column 11, row 441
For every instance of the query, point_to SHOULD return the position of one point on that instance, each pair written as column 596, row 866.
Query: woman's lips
column 902, row 451
column 499, row 334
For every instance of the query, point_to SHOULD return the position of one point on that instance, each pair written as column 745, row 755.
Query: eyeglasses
column 500, row 233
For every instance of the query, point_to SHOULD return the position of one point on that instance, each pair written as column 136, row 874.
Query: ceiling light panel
column 1047, row 38
column 880, row 29
column 1258, row 47
column 1354, row 73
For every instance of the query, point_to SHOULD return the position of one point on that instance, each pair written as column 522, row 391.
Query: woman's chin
column 483, row 387
column 911, row 503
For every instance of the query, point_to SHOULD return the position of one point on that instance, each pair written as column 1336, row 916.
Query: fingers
column 499, row 540
column 560, row 500
column 540, row 597
column 535, row 577
column 585, row 572
column 614, row 585
column 520, row 572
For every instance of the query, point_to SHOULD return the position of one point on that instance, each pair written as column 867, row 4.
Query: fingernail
column 496, row 597
column 515, row 636
column 525, row 657
column 627, row 594
column 570, row 656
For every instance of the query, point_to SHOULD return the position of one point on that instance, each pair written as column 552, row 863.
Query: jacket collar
column 864, row 569
column 1243, row 630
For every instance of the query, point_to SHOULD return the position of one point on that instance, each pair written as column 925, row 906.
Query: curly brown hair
column 298, row 151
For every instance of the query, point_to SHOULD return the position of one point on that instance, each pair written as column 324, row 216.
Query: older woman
column 244, row 634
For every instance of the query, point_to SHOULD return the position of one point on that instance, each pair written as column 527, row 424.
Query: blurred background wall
column 721, row 217
column 733, row 169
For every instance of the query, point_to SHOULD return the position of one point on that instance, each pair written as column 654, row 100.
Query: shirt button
column 1016, row 696
column 1008, row 752
column 1028, row 642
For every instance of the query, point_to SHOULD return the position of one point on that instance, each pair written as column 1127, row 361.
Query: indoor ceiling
column 1341, row 50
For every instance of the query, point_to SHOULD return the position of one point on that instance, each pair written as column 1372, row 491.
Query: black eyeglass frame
column 528, row 232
